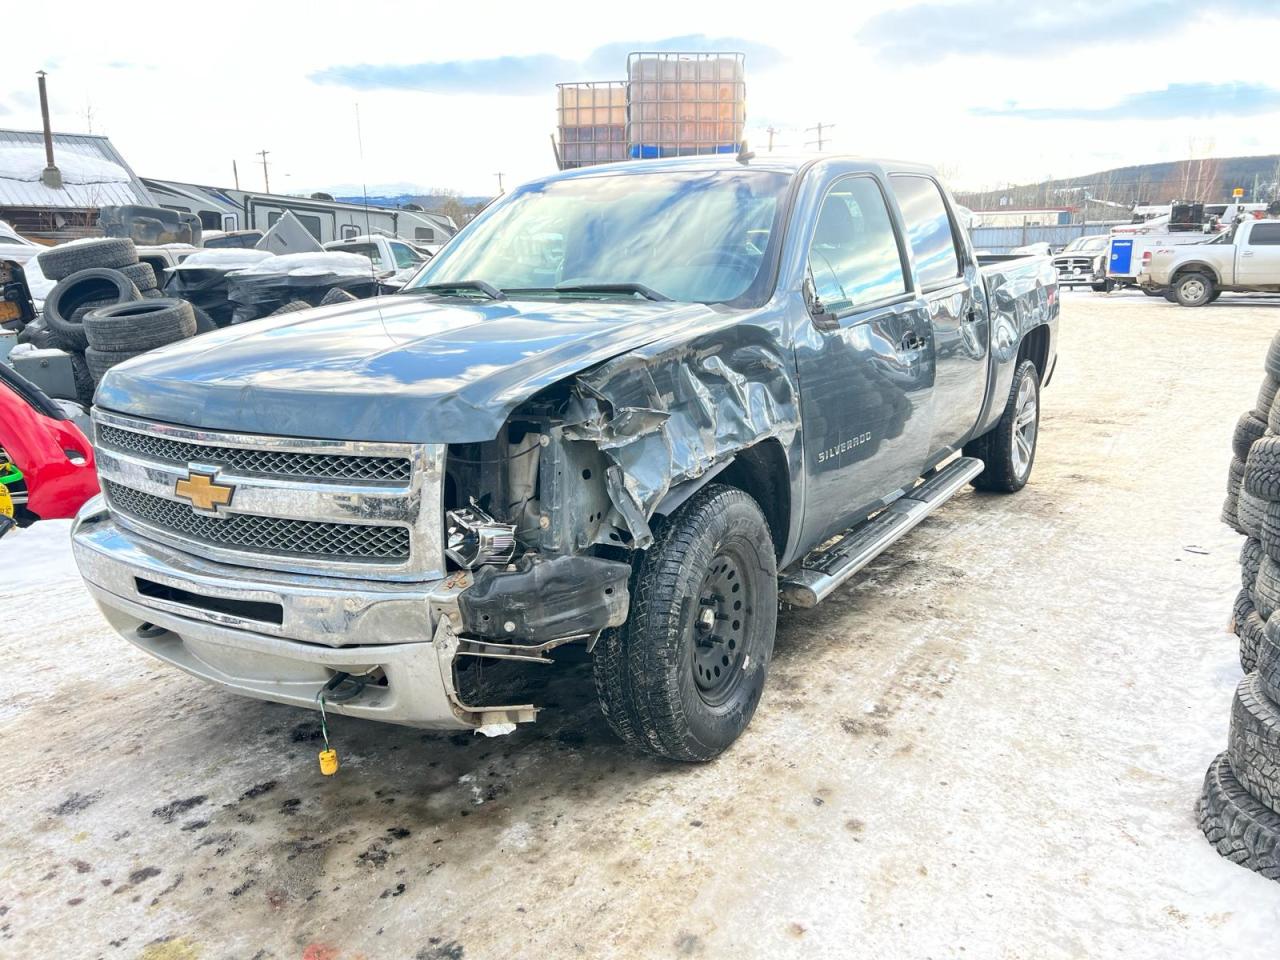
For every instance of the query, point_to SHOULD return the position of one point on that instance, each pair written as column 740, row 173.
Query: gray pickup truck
column 623, row 414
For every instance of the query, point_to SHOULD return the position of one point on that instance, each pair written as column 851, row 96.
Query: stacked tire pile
column 1240, row 802
column 107, row 307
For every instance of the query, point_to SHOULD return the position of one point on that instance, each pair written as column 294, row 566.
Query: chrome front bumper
column 282, row 637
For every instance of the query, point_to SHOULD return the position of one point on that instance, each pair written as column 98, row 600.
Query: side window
column 1265, row 235
column 312, row 224
column 405, row 257
column 854, row 255
column 929, row 232
column 426, row 234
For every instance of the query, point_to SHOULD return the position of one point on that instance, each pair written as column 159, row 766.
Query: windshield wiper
column 480, row 286
column 623, row 288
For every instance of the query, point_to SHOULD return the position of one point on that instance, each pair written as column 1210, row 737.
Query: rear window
column 1265, row 235
column 369, row 250
column 929, row 230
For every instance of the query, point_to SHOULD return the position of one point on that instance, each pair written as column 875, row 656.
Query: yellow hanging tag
column 328, row 762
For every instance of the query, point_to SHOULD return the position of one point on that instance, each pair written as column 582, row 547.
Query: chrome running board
column 822, row 571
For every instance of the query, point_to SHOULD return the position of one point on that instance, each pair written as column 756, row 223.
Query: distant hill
column 1207, row 179
column 427, row 202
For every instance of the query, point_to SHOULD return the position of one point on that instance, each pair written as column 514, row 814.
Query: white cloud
column 210, row 96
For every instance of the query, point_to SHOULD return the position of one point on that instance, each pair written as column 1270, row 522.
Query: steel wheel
column 1193, row 289
column 719, row 629
column 1026, row 423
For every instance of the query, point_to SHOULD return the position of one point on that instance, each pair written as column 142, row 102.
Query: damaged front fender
column 663, row 415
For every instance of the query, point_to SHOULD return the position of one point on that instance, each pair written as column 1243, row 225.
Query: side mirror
column 822, row 319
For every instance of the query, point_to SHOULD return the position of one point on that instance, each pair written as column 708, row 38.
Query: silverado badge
column 204, row 493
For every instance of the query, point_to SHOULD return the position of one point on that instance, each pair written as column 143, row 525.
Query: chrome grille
column 368, row 509
column 1068, row 264
column 272, row 535
column 267, row 463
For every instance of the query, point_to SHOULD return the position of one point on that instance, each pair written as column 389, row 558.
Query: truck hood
column 405, row 368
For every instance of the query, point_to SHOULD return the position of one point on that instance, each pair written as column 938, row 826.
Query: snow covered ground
column 989, row 746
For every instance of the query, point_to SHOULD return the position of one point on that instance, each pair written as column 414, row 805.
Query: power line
column 819, row 128
column 266, row 181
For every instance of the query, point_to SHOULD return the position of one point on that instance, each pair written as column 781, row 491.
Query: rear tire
column 1009, row 450
column 682, row 677
column 1193, row 289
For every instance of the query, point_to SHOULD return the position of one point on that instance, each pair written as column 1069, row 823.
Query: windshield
column 688, row 236
column 1085, row 244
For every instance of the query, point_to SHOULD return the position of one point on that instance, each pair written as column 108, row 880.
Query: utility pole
column 235, row 173
column 819, row 128
column 770, row 131
column 266, row 181
column 499, row 176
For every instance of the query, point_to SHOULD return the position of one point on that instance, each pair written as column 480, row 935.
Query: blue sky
column 991, row 91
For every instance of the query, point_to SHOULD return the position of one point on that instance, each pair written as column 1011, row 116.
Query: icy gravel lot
column 989, row 746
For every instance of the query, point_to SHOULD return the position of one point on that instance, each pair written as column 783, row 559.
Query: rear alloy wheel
column 1193, row 290
column 1009, row 450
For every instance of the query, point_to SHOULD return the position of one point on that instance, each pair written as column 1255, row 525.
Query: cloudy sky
column 991, row 91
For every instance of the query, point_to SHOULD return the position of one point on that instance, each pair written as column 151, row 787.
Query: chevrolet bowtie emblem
column 203, row 492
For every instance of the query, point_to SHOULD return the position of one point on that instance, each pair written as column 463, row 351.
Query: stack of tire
column 106, row 307
column 1240, row 802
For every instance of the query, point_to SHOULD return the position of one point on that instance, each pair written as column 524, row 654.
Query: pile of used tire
column 1240, row 803
column 107, row 307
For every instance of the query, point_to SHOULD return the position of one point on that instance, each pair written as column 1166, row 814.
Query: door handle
column 1246, row 253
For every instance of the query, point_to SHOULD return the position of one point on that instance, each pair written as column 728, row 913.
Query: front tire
column 682, row 677
column 1193, row 290
column 1009, row 450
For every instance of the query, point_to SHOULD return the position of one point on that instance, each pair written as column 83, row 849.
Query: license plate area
column 258, row 610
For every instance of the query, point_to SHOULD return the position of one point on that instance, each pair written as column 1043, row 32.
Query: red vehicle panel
column 55, row 457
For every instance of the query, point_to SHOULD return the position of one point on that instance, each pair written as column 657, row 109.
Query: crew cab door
column 865, row 371
column 1258, row 254
column 951, row 287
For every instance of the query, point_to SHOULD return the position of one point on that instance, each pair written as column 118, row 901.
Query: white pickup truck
column 388, row 254
column 1245, row 260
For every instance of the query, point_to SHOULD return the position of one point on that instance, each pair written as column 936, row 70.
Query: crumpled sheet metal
column 1022, row 296
column 664, row 417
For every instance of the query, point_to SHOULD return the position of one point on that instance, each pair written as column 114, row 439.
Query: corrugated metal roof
column 100, row 186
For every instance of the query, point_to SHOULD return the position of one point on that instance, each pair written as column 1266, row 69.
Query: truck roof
column 774, row 162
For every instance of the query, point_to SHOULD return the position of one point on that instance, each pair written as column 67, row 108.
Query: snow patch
column 27, row 164
column 310, row 265
column 496, row 729
column 36, row 557
column 229, row 258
